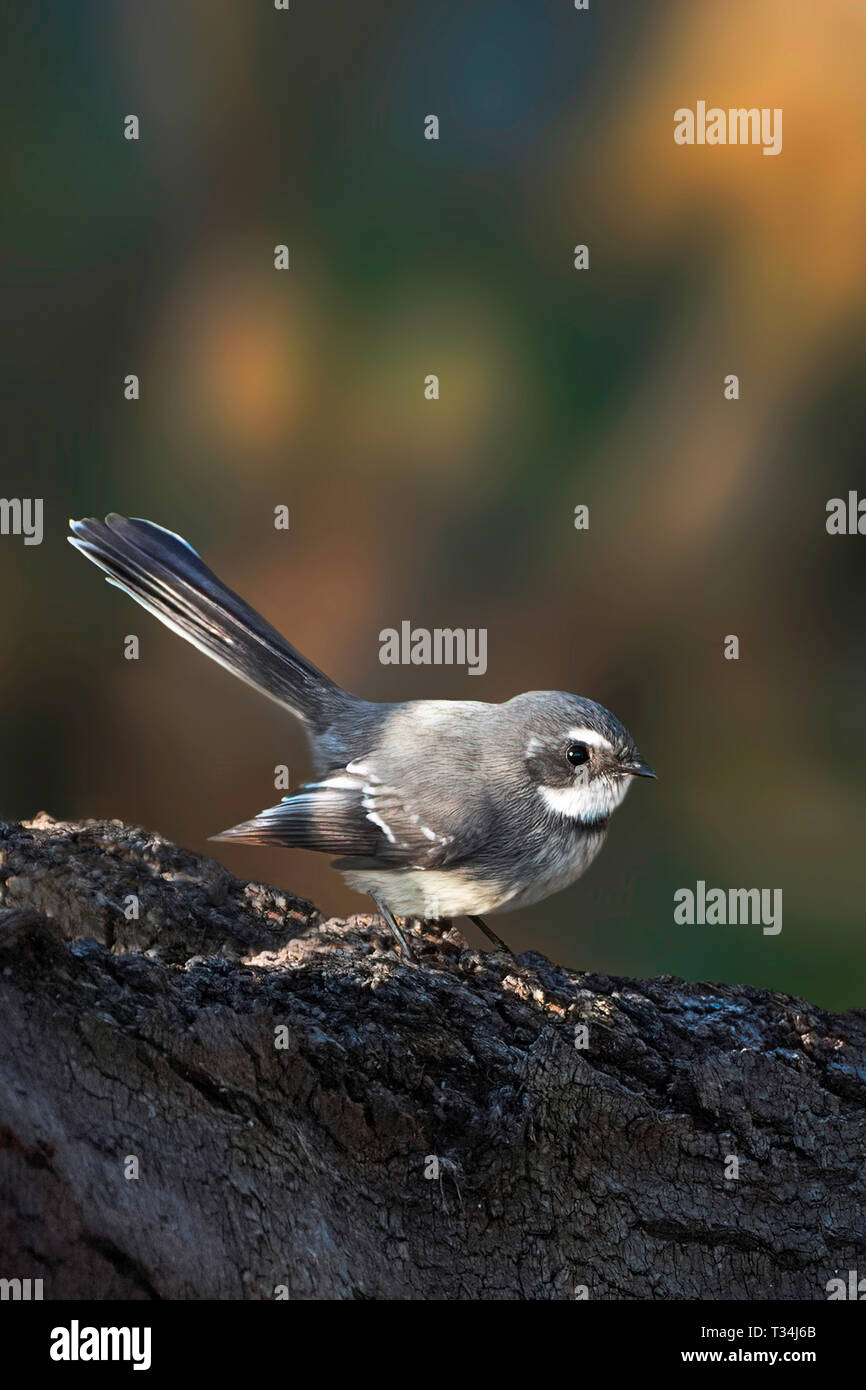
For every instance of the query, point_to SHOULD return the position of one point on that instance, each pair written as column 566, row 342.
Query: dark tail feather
column 168, row 578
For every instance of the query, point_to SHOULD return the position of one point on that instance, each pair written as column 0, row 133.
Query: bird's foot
column 391, row 921
column 491, row 935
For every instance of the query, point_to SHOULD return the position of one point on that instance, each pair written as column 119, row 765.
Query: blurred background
column 558, row 387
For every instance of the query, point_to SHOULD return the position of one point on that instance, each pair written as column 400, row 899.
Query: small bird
column 434, row 808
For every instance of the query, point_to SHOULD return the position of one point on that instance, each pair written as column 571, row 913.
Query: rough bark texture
column 304, row 1167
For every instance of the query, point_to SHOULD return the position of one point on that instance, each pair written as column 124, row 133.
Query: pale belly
column 429, row 893
column 436, row 893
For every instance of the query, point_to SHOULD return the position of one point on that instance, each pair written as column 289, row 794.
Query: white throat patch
column 589, row 801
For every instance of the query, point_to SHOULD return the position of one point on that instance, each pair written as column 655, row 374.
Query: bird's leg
column 491, row 935
column 391, row 920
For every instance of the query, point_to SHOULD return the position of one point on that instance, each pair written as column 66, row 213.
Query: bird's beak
column 637, row 770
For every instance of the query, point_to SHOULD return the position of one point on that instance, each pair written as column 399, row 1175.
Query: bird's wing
column 354, row 815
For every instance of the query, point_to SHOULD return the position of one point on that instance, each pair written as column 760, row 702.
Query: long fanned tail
column 163, row 573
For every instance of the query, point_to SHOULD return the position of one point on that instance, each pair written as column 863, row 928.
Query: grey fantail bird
column 434, row 808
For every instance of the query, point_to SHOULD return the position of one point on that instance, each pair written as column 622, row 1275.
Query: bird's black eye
column 577, row 754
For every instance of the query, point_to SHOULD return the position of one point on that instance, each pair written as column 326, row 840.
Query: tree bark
column 310, row 1116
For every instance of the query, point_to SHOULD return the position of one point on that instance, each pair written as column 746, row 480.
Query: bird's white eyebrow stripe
column 590, row 736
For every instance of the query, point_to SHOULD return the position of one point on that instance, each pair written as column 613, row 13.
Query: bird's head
column 579, row 759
